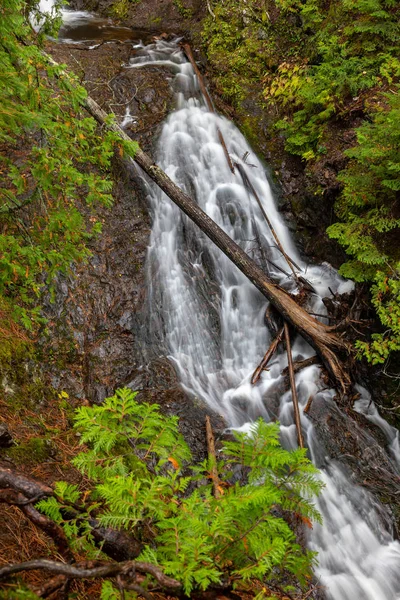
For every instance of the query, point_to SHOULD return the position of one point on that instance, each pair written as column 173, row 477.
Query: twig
column 188, row 51
column 250, row 187
column 293, row 386
column 269, row 353
column 210, row 9
column 212, row 458
column 51, row 586
column 308, row 405
column 298, row 365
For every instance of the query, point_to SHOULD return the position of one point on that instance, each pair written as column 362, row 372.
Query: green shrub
column 52, row 161
column 135, row 460
column 370, row 226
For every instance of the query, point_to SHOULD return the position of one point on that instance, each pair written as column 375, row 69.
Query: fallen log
column 295, row 399
column 94, row 570
column 326, row 343
column 22, row 491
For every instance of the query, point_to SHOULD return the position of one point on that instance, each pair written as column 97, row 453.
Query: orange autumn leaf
column 307, row 522
column 174, row 463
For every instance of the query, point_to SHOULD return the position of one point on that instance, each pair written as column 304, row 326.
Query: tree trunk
column 326, row 343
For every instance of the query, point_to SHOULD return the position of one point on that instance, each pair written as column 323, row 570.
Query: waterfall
column 211, row 319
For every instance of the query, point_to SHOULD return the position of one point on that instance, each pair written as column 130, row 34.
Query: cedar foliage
column 137, row 462
column 52, row 161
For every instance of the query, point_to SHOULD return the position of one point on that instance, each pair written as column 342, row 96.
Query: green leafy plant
column 316, row 64
column 370, row 225
column 138, row 463
column 53, row 163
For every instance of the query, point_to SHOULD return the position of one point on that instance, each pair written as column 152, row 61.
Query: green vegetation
column 120, row 9
column 185, row 11
column 137, row 463
column 369, row 209
column 314, row 65
column 52, row 164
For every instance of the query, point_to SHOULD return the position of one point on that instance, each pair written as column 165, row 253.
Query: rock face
column 361, row 447
column 172, row 16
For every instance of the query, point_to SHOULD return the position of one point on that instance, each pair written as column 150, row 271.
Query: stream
column 210, row 318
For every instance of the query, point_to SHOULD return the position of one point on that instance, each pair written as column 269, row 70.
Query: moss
column 250, row 129
column 120, row 9
column 156, row 20
column 34, row 451
column 184, row 11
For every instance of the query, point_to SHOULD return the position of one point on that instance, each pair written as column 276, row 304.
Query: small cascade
column 212, row 322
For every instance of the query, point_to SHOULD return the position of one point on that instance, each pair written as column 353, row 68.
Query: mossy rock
column 35, row 451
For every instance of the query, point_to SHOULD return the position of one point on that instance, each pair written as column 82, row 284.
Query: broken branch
column 100, row 570
column 250, row 187
column 295, row 399
column 188, row 51
column 268, row 355
column 212, row 458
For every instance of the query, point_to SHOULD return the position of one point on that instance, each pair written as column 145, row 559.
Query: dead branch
column 295, row 399
column 51, row 528
column 268, row 355
column 26, row 485
column 50, row 586
column 250, row 187
column 210, row 9
column 298, row 365
column 308, row 405
column 116, row 544
column 212, row 458
column 270, row 319
column 93, row 570
column 188, row 51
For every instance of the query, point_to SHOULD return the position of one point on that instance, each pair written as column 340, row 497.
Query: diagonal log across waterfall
column 326, row 342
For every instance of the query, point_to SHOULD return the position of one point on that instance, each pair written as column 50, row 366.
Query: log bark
column 29, row 487
column 93, row 570
column 22, row 491
column 298, row 365
column 295, row 399
column 326, row 343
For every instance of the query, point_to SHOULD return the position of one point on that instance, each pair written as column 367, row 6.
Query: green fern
column 135, row 461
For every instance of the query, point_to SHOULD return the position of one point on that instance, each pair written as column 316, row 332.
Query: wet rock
column 6, row 439
column 149, row 96
column 359, row 445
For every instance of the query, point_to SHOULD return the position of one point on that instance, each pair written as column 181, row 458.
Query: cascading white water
column 212, row 319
